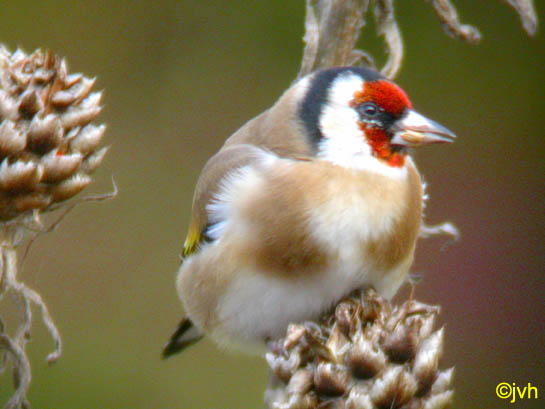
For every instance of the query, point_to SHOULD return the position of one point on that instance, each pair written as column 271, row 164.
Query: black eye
column 368, row 109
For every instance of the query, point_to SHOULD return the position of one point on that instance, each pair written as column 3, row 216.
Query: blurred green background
column 181, row 76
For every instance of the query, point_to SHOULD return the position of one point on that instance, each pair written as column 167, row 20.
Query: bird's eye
column 368, row 109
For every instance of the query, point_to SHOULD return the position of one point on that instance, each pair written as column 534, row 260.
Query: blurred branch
column 527, row 13
column 451, row 25
column 387, row 26
column 446, row 228
column 15, row 347
column 332, row 29
column 21, row 373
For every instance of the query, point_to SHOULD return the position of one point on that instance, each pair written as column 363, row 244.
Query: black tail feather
column 186, row 334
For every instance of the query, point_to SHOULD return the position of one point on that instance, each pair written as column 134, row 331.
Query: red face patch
column 380, row 143
column 393, row 100
column 385, row 94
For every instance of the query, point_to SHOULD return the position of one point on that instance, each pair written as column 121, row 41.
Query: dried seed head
column 8, row 106
column 48, row 147
column 88, row 139
column 301, row 382
column 26, row 202
column 19, row 176
column 337, row 345
column 283, row 367
column 330, row 380
column 58, row 166
column 439, row 401
column 93, row 161
column 394, row 389
column 427, row 325
column 359, row 398
column 443, row 381
column 427, row 360
column 293, row 335
column 70, row 187
column 344, row 316
column 363, row 355
column 85, row 112
column 402, row 342
column 12, row 141
column 30, row 104
column 365, row 360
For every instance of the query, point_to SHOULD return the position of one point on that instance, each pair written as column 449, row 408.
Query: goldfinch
column 310, row 200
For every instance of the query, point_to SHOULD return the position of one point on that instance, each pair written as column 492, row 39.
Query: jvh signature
column 505, row 390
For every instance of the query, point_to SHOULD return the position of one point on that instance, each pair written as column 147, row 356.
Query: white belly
column 259, row 306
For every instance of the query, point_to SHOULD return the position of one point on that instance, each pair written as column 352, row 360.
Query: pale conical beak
column 414, row 129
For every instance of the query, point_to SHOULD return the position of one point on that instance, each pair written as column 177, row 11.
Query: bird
column 312, row 199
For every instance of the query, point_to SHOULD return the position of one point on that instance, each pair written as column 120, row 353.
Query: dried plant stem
column 528, row 17
column 21, row 372
column 15, row 346
column 449, row 19
column 24, row 296
column 446, row 228
column 387, row 26
column 332, row 29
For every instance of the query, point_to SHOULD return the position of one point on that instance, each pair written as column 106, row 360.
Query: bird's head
column 354, row 117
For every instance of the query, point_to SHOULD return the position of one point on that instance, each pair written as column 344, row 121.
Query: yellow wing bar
column 192, row 241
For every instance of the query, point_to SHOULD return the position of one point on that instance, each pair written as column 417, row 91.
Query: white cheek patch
column 341, row 122
column 338, row 119
column 344, row 143
column 344, row 87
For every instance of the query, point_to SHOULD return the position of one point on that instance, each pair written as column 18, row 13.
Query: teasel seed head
column 48, row 145
column 365, row 354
